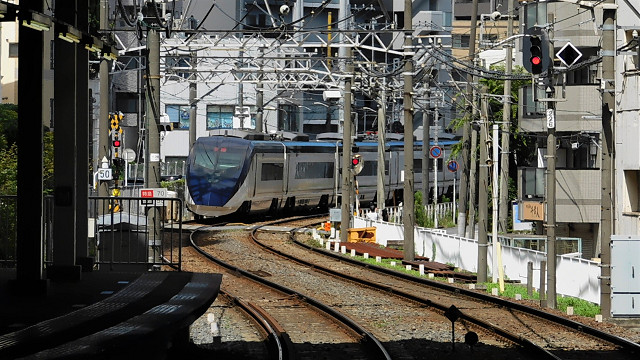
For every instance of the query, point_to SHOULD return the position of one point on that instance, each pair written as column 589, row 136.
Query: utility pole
column 607, row 224
column 103, row 120
column 426, row 141
column 193, row 99
column 408, row 215
column 152, row 158
column 347, row 177
column 260, row 93
column 483, row 186
column 382, row 121
column 551, row 178
column 466, row 129
column 436, row 127
column 473, row 182
column 506, row 127
column 494, row 197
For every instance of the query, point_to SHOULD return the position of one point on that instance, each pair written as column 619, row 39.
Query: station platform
column 103, row 314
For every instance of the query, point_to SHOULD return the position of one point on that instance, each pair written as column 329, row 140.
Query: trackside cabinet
column 625, row 276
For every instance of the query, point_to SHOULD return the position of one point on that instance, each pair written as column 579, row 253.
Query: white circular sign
column 129, row 155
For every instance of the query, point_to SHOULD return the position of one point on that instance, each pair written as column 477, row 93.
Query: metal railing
column 124, row 233
column 8, row 231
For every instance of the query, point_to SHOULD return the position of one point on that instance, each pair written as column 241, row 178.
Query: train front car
column 216, row 169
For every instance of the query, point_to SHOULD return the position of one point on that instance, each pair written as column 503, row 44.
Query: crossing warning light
column 356, row 164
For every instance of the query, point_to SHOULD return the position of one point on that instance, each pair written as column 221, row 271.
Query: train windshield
column 216, row 168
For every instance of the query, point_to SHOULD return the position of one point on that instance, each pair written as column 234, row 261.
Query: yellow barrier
column 367, row 234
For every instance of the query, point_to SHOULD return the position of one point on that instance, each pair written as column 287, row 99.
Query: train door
column 270, row 176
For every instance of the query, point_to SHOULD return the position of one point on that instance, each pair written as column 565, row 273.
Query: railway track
column 401, row 327
column 381, row 313
column 561, row 337
column 290, row 321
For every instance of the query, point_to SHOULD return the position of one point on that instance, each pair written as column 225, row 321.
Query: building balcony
column 577, row 193
column 581, row 112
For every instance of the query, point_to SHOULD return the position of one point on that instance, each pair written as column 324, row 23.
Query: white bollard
column 378, row 259
column 518, row 296
column 366, row 255
column 343, row 249
column 430, row 276
column 393, row 263
column 472, row 286
column 321, row 241
column 336, row 247
column 569, row 310
column 450, row 280
column 333, row 233
column 328, row 245
column 421, row 269
column 314, row 234
column 599, row 318
column 494, row 291
column 408, row 267
column 353, row 252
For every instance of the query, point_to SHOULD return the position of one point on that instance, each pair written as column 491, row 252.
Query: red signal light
column 355, row 161
column 535, row 60
column 116, row 143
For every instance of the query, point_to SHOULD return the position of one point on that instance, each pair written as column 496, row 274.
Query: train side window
column 314, row 170
column 272, row 171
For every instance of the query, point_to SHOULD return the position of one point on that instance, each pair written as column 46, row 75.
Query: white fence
column 575, row 277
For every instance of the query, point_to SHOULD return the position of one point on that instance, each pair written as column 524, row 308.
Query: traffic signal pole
column 551, row 180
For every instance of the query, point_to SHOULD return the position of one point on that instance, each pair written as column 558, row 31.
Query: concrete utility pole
column 505, row 204
column 103, row 120
column 551, row 178
column 607, row 224
column 152, row 158
column 483, row 186
column 408, row 215
column 260, row 94
column 347, row 174
column 426, row 141
column 473, row 183
column 346, row 132
column 193, row 100
column 436, row 127
column 466, row 130
column 382, row 122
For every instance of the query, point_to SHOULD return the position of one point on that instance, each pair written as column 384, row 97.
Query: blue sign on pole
column 452, row 166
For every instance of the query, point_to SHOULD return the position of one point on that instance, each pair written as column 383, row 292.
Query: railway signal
column 535, row 51
column 356, row 164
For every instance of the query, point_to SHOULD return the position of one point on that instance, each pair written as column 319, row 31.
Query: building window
column 174, row 166
column 460, row 41
column 632, row 198
column 13, row 50
column 219, row 117
column 178, row 114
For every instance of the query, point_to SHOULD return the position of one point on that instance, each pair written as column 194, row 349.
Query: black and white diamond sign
column 569, row 54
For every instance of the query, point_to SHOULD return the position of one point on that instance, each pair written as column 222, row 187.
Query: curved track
column 549, row 335
column 289, row 315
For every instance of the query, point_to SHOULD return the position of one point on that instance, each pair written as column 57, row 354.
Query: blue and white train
column 242, row 172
